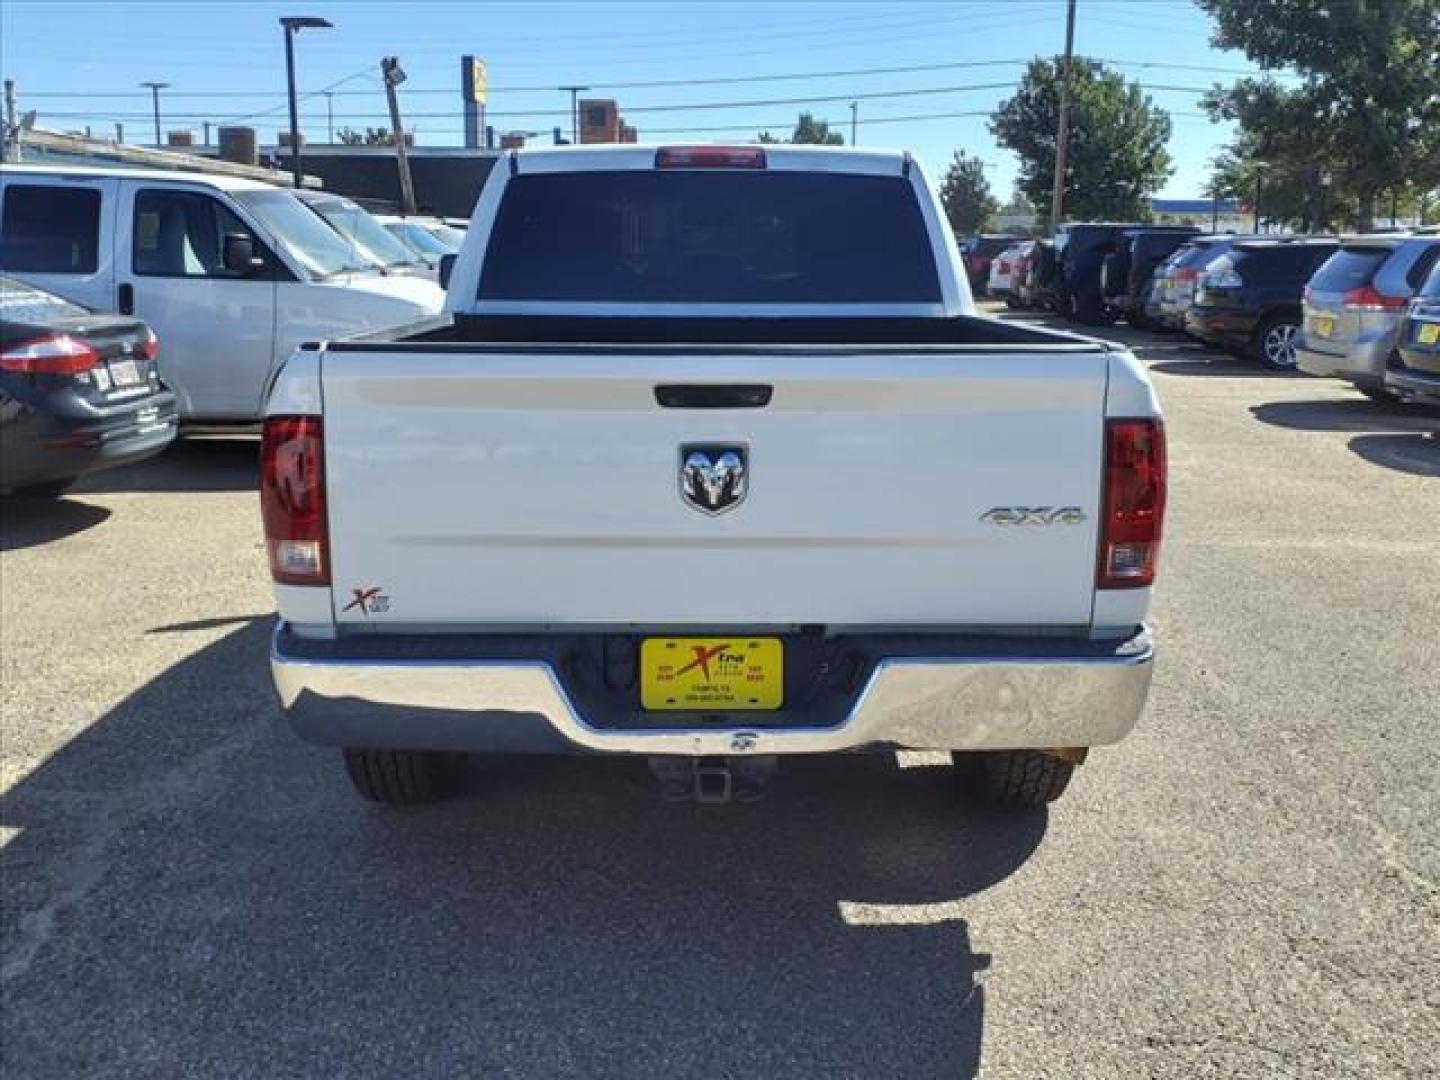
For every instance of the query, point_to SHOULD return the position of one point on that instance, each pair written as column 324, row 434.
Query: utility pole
column 394, row 76
column 1062, row 132
column 575, row 92
column 11, row 140
column 155, row 88
column 207, row 132
column 329, row 118
column 119, row 132
column 854, row 123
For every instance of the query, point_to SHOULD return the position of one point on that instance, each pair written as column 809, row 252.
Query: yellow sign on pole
column 479, row 82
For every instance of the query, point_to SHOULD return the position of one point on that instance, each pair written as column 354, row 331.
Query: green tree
column 1366, row 111
column 371, row 136
column 1117, row 158
column 808, row 130
column 965, row 194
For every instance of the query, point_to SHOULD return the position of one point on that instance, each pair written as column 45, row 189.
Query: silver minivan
column 1355, row 302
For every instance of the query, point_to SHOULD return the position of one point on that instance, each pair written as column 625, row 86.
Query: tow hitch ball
column 713, row 781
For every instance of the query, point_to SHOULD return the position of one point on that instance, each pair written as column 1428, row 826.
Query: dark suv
column 1126, row 272
column 1082, row 249
column 1415, row 373
column 1248, row 300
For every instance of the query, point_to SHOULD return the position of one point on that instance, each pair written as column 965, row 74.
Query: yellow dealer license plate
column 712, row 673
column 1428, row 334
column 1324, row 325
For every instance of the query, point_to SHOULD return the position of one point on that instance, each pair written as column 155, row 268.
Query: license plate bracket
column 736, row 673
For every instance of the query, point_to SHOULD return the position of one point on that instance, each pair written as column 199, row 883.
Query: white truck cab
column 231, row 274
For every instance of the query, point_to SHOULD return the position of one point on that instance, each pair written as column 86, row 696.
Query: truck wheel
column 1014, row 778
column 401, row 777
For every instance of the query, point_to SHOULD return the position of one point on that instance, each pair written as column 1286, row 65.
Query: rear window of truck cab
column 726, row 236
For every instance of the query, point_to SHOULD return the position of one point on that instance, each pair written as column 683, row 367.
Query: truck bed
column 874, row 333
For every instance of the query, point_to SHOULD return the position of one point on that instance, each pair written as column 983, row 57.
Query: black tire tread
column 1016, row 778
column 397, row 777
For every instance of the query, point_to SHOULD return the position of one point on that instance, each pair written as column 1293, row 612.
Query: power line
column 690, row 106
column 730, row 80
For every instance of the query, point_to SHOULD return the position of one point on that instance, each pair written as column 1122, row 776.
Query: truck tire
column 1014, row 778
column 400, row 777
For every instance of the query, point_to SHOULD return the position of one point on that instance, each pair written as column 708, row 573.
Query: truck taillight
column 1133, row 512
column 292, row 499
column 53, row 354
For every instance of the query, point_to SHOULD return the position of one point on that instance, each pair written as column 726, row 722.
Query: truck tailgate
column 542, row 485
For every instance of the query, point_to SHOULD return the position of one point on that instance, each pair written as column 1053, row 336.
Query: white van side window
column 181, row 234
column 47, row 229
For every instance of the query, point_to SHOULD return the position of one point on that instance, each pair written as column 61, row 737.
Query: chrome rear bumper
column 978, row 701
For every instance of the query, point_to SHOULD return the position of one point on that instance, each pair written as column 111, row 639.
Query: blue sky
column 81, row 63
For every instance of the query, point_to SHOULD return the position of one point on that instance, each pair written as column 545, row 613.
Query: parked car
column 370, row 239
column 1126, row 273
column 1414, row 373
column 1248, row 300
column 1039, row 290
column 231, row 274
column 978, row 254
column 1082, row 248
column 79, row 392
column 420, row 236
column 1004, row 269
column 619, row 477
column 1020, row 275
column 1175, row 290
column 1354, row 305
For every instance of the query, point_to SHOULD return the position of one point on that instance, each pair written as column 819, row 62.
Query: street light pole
column 293, row 24
column 329, row 118
column 575, row 92
column 155, row 88
column 854, row 123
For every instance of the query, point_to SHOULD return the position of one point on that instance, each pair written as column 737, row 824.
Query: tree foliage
column 808, row 130
column 1365, row 116
column 371, row 136
column 965, row 194
column 1116, row 159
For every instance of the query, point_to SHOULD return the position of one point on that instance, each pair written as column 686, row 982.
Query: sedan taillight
column 53, row 354
column 1134, row 503
column 292, row 500
column 149, row 344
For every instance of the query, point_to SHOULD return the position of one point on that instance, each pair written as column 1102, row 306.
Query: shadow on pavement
column 1346, row 414
column 1222, row 366
column 191, row 890
column 192, row 463
column 26, row 522
column 1417, row 454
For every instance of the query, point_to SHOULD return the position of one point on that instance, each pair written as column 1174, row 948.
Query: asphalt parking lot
column 1249, row 886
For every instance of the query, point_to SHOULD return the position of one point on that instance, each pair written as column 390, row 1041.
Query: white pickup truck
column 711, row 461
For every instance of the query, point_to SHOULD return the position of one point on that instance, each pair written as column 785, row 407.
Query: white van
column 231, row 274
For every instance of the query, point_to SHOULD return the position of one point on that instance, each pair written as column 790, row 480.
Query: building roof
column 64, row 168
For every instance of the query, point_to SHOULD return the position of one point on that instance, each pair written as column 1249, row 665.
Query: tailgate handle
column 711, row 396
